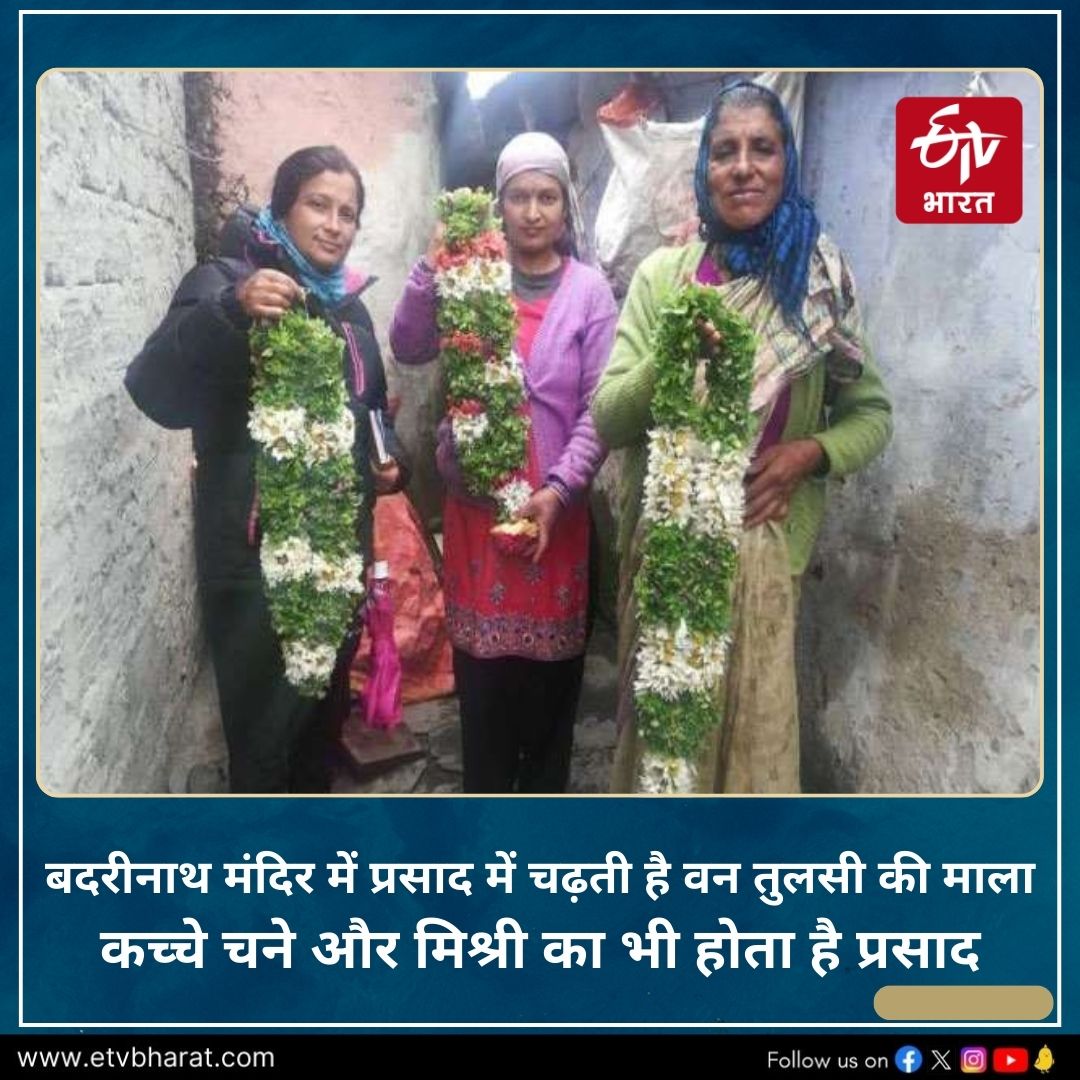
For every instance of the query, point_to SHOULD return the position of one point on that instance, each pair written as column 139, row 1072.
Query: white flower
column 668, row 488
column 505, row 372
column 286, row 560
column 279, row 430
column 494, row 274
column 474, row 276
column 512, row 496
column 352, row 575
column 345, row 575
column 719, row 493
column 659, row 774
column 694, row 484
column 677, row 661
column 324, row 441
column 467, row 429
column 307, row 664
column 292, row 559
column 283, row 432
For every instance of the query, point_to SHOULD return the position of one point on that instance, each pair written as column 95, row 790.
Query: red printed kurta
column 504, row 605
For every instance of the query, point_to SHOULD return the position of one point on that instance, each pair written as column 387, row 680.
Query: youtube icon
column 1010, row 1059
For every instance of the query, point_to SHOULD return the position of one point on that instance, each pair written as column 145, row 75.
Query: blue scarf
column 329, row 287
column 778, row 250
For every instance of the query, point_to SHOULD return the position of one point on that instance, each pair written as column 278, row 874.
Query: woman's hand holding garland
column 268, row 294
column 542, row 509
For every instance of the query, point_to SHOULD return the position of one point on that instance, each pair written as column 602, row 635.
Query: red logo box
column 1010, row 1059
column 959, row 160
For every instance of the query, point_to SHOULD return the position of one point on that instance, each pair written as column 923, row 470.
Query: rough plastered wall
column 125, row 703
column 387, row 122
column 920, row 629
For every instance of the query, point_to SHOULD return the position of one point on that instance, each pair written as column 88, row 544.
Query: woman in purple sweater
column 518, row 624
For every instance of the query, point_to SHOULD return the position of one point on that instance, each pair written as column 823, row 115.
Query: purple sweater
column 567, row 358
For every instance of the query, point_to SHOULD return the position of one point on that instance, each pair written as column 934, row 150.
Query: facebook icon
column 908, row 1059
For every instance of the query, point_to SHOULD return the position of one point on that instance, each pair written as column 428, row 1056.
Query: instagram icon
column 973, row 1059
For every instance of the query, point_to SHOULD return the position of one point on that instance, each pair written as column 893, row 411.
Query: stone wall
column 125, row 704
column 921, row 634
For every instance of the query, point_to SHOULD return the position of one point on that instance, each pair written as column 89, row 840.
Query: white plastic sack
column 649, row 195
column 649, row 198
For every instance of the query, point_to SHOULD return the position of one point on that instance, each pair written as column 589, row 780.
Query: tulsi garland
column 692, row 510
column 308, row 494
column 477, row 324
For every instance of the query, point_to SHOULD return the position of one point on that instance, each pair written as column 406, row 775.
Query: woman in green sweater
column 819, row 410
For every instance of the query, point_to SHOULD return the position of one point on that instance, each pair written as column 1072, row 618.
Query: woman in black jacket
column 195, row 372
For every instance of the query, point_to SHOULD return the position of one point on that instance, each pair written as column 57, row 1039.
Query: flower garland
column 477, row 324
column 308, row 495
column 692, row 511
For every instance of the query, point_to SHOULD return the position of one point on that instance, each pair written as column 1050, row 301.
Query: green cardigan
column 853, row 428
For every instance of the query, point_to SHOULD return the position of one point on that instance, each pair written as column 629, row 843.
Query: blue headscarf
column 778, row 250
column 328, row 286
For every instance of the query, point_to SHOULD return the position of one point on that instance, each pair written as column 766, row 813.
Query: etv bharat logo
column 959, row 160
column 975, row 143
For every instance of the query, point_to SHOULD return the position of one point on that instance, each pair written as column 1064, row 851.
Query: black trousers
column 278, row 741
column 517, row 722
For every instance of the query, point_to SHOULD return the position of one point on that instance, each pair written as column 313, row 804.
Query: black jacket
column 195, row 372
